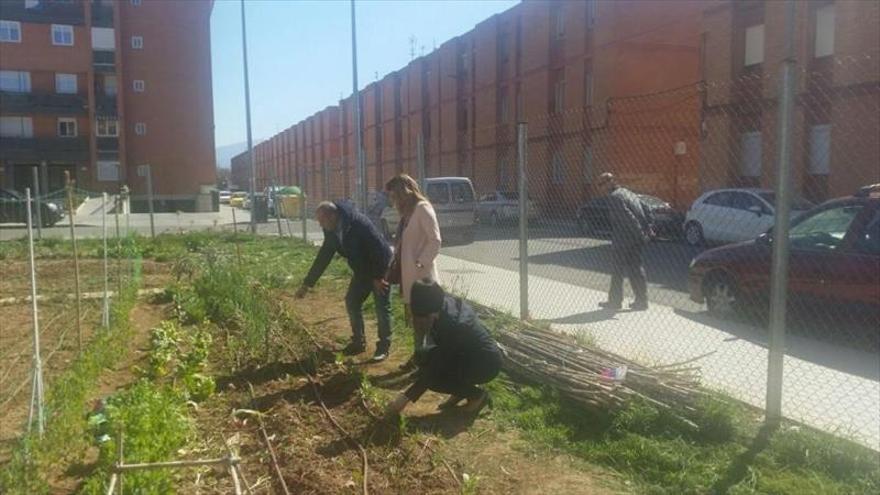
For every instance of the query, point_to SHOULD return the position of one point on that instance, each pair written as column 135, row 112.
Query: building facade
column 657, row 92
column 103, row 88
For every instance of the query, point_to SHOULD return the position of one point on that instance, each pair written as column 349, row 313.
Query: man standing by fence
column 354, row 237
column 630, row 222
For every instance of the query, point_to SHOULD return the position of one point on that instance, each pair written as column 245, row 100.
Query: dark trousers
column 627, row 262
column 456, row 375
column 358, row 290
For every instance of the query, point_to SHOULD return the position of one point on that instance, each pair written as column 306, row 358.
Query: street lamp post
column 247, row 109
column 359, row 150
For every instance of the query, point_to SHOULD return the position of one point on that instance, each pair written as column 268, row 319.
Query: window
column 10, row 32
column 138, row 85
column 103, row 39
column 438, row 193
column 107, row 128
column 588, row 87
column 30, row 4
column 520, row 103
column 750, row 164
column 503, row 111
column 108, row 171
column 723, row 199
column 820, row 150
column 591, row 12
column 754, row 45
column 462, row 192
column 66, row 127
column 825, row 229
column 869, row 240
column 558, row 165
column 15, row 81
column 824, row 31
column 747, row 202
column 135, row 2
column 65, row 83
column 62, row 35
column 559, row 95
column 16, row 127
column 140, row 129
column 137, row 42
column 110, row 86
column 558, row 22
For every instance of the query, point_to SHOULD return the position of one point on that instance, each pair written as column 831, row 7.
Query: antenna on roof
column 412, row 47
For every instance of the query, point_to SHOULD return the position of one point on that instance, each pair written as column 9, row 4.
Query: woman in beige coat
column 418, row 240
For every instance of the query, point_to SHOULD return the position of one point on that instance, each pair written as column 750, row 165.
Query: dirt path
column 438, row 453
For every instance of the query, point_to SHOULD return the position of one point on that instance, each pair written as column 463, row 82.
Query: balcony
column 50, row 149
column 54, row 104
column 45, row 12
column 110, row 144
column 105, row 105
column 102, row 14
column 104, row 61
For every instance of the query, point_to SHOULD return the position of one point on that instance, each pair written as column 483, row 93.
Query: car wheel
column 693, row 234
column 722, row 296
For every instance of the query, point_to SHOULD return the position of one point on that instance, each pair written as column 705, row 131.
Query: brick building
column 837, row 112
column 101, row 87
column 645, row 89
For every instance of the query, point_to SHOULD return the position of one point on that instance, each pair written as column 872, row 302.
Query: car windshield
column 8, row 194
column 652, row 201
column 824, row 230
column 796, row 203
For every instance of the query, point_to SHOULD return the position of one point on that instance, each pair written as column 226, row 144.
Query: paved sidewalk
column 820, row 395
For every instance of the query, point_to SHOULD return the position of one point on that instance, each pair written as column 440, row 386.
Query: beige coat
column 419, row 246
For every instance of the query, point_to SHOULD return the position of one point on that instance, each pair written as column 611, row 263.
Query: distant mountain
column 226, row 152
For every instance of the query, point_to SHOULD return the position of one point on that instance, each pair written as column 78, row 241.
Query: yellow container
column 290, row 206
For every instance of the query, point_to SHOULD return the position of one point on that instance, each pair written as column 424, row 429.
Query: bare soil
column 437, row 452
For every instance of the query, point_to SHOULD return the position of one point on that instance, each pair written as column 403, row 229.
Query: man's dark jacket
column 365, row 249
column 630, row 218
column 460, row 337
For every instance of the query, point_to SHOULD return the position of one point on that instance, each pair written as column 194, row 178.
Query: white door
column 754, row 218
column 716, row 215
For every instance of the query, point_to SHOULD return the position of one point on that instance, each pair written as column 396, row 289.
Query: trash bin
column 260, row 208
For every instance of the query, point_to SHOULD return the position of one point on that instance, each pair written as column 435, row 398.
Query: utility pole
column 247, row 109
column 361, row 195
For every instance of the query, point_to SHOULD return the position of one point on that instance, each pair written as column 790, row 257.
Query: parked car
column 237, row 199
column 733, row 215
column 502, row 206
column 834, row 262
column 224, row 197
column 592, row 217
column 13, row 209
column 454, row 204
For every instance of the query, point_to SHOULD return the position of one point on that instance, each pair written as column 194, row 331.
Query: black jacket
column 365, row 249
column 630, row 218
column 460, row 336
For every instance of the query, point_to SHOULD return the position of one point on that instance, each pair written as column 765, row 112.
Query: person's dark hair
column 426, row 297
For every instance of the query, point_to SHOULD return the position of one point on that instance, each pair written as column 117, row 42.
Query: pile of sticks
column 581, row 373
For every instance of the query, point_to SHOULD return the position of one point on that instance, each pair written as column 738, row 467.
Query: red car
column 834, row 263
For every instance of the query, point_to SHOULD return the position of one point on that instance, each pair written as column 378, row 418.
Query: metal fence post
column 37, row 380
column 71, row 217
column 522, row 161
column 420, row 161
column 302, row 204
column 39, row 215
column 273, row 193
column 105, row 309
column 150, row 200
column 779, row 270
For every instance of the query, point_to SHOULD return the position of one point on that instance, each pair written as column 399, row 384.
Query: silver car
column 502, row 206
column 454, row 204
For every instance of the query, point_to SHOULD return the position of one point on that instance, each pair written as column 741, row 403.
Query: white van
column 454, row 203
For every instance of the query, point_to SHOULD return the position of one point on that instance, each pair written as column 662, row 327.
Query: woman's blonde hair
column 406, row 187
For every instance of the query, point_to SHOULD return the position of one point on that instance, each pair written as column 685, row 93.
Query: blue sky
column 299, row 53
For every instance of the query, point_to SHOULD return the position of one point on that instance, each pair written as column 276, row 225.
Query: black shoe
column 409, row 365
column 380, row 355
column 639, row 305
column 354, row 347
column 449, row 403
column 609, row 305
column 477, row 403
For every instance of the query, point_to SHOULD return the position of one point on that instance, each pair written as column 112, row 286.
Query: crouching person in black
column 459, row 353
